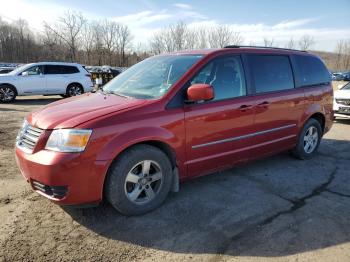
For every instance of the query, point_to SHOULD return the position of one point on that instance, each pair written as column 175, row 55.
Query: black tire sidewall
column 13, row 89
column 114, row 187
column 299, row 151
column 72, row 85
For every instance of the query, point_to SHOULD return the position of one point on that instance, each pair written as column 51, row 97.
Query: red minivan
column 173, row 117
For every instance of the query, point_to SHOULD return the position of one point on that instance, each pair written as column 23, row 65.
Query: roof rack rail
column 263, row 47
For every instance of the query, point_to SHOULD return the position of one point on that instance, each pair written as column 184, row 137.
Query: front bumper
column 341, row 109
column 64, row 178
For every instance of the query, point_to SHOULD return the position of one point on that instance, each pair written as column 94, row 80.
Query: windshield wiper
column 113, row 93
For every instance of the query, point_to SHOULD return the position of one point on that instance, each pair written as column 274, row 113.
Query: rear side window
column 58, row 69
column 271, row 73
column 52, row 70
column 69, row 70
column 311, row 71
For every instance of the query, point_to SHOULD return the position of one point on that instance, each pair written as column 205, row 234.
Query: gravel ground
column 274, row 209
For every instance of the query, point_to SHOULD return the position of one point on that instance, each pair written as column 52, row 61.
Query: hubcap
column 143, row 182
column 310, row 139
column 74, row 91
column 6, row 94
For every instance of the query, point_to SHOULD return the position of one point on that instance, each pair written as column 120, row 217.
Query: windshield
column 151, row 78
column 20, row 69
column 346, row 87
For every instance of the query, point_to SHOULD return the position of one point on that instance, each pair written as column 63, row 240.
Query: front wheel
column 309, row 140
column 7, row 94
column 74, row 90
column 139, row 180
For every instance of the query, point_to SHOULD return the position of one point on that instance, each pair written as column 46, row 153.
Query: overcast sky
column 327, row 21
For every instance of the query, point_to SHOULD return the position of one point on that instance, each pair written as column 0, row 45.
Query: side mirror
column 200, row 92
column 24, row 73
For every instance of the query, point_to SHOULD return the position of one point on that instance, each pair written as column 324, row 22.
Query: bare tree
column 109, row 35
column 88, row 37
column 268, row 42
column 220, row 36
column 202, row 38
column 291, row 43
column 123, row 42
column 305, row 42
column 69, row 28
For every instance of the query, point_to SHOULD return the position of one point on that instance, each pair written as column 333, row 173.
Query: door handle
column 245, row 107
column 263, row 104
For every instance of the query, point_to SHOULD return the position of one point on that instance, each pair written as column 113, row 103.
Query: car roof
column 55, row 63
column 241, row 49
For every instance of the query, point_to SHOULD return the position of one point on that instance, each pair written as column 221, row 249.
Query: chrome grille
column 27, row 137
column 343, row 101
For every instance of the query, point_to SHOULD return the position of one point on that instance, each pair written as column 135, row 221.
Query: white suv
column 45, row 78
column 341, row 103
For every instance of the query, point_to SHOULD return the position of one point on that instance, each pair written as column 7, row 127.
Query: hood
column 70, row 112
column 342, row 94
column 6, row 76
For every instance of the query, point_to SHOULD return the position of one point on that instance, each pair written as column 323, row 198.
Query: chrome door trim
column 243, row 137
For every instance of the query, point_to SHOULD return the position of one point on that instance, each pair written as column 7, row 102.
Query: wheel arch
column 161, row 145
column 320, row 118
column 75, row 83
column 11, row 85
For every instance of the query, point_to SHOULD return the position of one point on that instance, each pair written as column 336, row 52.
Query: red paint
column 119, row 123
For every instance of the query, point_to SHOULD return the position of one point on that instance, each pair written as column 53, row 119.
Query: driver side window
column 225, row 75
column 34, row 70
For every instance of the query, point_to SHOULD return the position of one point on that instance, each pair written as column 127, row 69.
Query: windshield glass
column 19, row 69
column 151, row 78
column 346, row 87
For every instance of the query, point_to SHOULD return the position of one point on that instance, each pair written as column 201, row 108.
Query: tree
column 268, row 42
column 220, row 36
column 123, row 41
column 291, row 43
column 305, row 42
column 68, row 28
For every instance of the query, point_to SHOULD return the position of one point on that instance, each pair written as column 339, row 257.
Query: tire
column 7, row 93
column 74, row 90
column 129, row 189
column 309, row 140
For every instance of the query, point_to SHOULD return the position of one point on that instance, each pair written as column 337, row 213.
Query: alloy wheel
column 143, row 182
column 74, row 91
column 310, row 139
column 6, row 94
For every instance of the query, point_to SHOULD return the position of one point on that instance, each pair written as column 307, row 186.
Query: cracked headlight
column 68, row 140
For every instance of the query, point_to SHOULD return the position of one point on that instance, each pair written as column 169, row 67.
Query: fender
column 11, row 85
column 311, row 110
column 122, row 141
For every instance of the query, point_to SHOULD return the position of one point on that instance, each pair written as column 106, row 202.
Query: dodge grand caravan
column 173, row 117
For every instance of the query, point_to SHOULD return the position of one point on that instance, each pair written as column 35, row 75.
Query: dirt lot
column 275, row 209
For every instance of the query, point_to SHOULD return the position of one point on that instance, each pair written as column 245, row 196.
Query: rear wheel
column 7, row 93
column 309, row 140
column 74, row 90
column 139, row 180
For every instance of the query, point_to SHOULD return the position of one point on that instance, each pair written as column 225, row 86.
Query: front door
column 218, row 131
column 32, row 81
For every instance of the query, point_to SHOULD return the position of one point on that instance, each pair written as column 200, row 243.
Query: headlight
column 68, row 140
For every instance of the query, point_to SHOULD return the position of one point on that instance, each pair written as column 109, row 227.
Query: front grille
column 345, row 102
column 27, row 137
column 58, row 192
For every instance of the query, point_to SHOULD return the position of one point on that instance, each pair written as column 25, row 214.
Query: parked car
column 174, row 117
column 346, row 76
column 46, row 78
column 6, row 70
column 342, row 100
column 337, row 77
